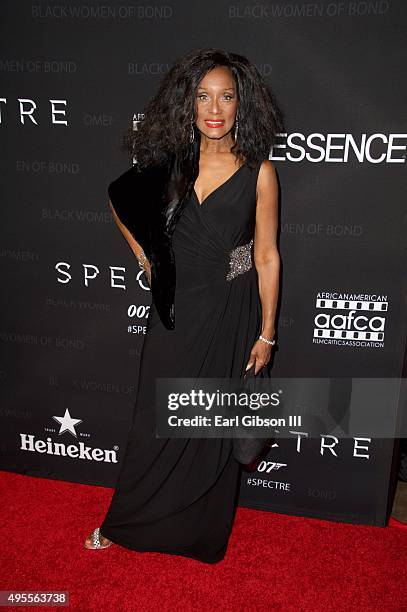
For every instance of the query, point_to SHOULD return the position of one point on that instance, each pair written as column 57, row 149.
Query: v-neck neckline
column 217, row 188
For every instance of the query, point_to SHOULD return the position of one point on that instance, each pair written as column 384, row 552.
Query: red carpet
column 274, row 561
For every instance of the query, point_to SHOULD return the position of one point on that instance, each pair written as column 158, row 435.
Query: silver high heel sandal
column 95, row 535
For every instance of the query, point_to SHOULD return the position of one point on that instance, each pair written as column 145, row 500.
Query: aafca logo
column 350, row 319
column 67, row 424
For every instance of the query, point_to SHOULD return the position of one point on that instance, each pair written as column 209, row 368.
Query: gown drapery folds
column 179, row 495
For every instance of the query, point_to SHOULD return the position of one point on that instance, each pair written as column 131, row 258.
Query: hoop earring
column 192, row 133
column 236, row 128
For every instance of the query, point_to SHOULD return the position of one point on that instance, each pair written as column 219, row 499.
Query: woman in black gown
column 177, row 495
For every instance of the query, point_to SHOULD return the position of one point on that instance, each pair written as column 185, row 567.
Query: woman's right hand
column 147, row 272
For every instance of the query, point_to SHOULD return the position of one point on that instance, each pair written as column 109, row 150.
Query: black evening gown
column 177, row 495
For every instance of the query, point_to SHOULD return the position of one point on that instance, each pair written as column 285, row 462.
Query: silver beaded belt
column 240, row 260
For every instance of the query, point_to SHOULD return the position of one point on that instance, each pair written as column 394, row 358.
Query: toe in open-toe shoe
column 95, row 540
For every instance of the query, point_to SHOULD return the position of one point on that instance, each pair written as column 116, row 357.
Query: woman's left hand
column 260, row 356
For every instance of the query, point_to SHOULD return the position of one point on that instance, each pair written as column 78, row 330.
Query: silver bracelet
column 141, row 260
column 272, row 342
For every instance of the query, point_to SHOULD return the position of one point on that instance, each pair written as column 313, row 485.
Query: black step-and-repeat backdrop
column 74, row 303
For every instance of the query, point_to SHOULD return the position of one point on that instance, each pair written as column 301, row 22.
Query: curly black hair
column 165, row 129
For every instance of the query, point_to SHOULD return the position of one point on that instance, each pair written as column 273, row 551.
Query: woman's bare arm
column 266, row 256
column 267, row 260
column 134, row 245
